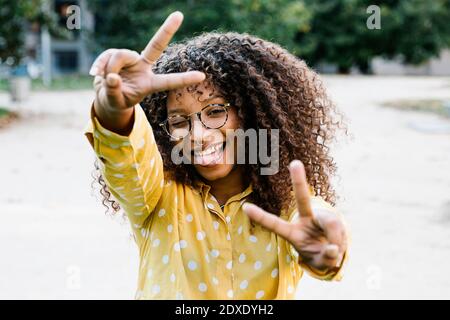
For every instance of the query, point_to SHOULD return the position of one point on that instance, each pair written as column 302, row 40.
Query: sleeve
column 335, row 274
column 131, row 165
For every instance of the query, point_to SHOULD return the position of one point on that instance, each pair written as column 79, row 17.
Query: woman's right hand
column 123, row 77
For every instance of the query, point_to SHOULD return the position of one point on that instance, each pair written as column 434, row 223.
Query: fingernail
column 332, row 251
column 111, row 81
column 93, row 72
column 178, row 12
column 295, row 163
column 202, row 75
column 246, row 206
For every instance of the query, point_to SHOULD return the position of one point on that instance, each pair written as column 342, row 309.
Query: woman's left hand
column 319, row 236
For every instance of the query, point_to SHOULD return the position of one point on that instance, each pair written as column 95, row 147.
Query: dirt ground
column 394, row 181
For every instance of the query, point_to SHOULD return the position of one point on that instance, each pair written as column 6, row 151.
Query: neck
column 226, row 187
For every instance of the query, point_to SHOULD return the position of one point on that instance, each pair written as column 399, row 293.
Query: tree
column 15, row 17
column 417, row 30
column 131, row 23
column 331, row 31
column 414, row 30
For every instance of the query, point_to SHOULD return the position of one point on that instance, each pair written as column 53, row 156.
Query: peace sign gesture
column 319, row 236
column 123, row 77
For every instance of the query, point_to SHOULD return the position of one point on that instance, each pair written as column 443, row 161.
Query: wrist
column 119, row 121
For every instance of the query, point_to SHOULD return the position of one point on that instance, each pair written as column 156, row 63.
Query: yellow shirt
column 189, row 247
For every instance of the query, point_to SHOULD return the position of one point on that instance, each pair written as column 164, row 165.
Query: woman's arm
column 317, row 233
column 119, row 132
column 131, row 164
column 123, row 78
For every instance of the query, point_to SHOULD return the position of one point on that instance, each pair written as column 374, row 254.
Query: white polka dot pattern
column 189, row 248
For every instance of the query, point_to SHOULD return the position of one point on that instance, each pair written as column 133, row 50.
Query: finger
column 331, row 225
column 331, row 252
column 339, row 260
column 114, row 90
column 163, row 82
column 268, row 221
column 98, row 83
column 309, row 250
column 326, row 259
column 98, row 67
column 332, row 256
column 301, row 190
column 162, row 37
column 120, row 59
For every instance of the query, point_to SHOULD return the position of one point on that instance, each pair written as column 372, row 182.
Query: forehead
column 190, row 97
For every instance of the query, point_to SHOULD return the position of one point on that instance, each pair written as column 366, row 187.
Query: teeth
column 209, row 150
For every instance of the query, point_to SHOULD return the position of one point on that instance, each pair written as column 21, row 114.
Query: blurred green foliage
column 3, row 112
column 319, row 31
column 15, row 19
column 414, row 30
column 132, row 23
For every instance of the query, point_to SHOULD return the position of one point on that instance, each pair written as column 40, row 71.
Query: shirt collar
column 205, row 188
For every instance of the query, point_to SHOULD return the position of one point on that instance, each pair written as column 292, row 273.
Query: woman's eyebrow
column 176, row 110
column 213, row 97
column 183, row 110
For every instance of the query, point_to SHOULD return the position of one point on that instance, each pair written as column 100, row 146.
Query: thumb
column 114, row 94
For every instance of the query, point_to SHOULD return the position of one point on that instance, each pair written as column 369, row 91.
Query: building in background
column 72, row 55
column 433, row 67
column 59, row 56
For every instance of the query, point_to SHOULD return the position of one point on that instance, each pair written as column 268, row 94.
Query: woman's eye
column 178, row 124
column 216, row 112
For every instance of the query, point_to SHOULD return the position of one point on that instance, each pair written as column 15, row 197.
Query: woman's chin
column 214, row 172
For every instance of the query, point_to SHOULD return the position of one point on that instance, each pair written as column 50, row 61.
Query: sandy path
column 395, row 185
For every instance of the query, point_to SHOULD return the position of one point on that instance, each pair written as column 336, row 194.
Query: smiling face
column 210, row 155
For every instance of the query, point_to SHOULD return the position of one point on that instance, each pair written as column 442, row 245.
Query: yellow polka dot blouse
column 191, row 248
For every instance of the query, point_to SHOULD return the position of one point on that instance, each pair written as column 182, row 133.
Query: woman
column 211, row 227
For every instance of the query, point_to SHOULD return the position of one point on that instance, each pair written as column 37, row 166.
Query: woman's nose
column 197, row 131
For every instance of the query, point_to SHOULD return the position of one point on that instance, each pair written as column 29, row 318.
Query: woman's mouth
column 212, row 155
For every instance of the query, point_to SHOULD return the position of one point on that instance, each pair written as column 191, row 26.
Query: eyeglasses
column 213, row 116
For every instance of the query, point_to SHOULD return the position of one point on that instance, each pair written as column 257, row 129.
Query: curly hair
column 271, row 89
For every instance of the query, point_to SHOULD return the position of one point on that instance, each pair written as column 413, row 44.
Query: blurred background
column 386, row 64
